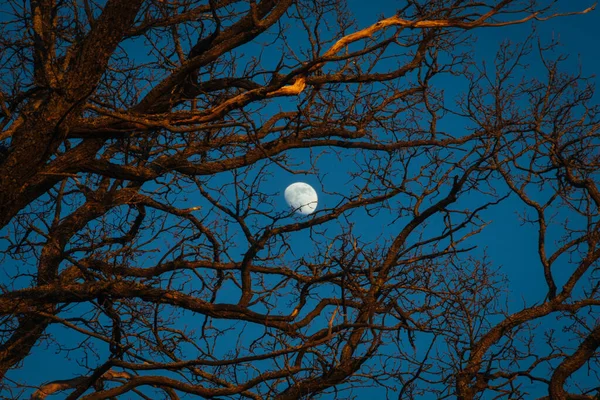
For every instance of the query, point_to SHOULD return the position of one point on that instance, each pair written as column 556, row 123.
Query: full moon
column 301, row 197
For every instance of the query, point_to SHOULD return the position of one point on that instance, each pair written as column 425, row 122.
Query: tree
column 142, row 232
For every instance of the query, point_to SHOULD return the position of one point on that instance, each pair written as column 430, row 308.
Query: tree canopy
column 145, row 246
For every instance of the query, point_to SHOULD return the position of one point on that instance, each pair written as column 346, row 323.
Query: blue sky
column 510, row 246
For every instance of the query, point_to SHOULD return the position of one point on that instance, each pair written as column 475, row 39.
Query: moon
column 301, row 197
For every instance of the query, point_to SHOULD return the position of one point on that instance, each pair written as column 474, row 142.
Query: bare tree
column 143, row 237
